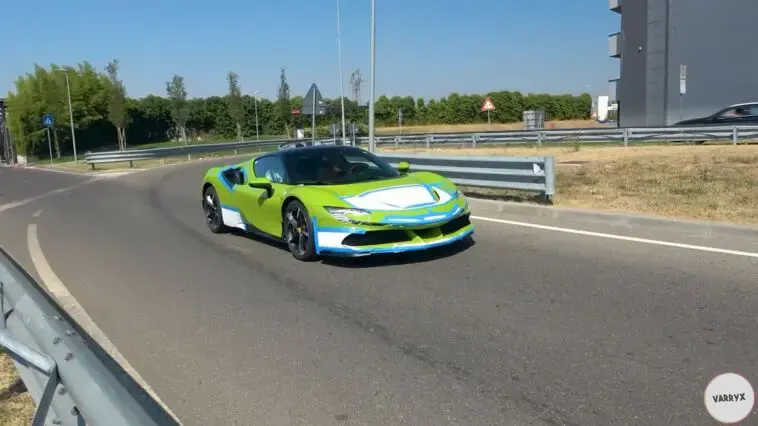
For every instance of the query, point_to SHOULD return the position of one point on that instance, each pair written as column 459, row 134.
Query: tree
column 177, row 94
column 117, row 113
column 234, row 100
column 283, row 106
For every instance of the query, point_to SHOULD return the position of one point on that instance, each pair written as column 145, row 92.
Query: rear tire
column 298, row 232
column 212, row 209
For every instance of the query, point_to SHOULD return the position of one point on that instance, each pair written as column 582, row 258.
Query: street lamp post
column 70, row 110
column 372, row 82
column 342, row 80
column 255, row 100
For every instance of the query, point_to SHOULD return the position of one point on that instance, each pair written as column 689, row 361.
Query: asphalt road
column 527, row 326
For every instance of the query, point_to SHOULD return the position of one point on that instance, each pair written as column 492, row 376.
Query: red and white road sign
column 488, row 105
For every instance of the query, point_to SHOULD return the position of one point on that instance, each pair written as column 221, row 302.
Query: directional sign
column 488, row 105
column 313, row 95
column 48, row 120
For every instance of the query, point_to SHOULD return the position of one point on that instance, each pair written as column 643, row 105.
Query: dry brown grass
column 16, row 409
column 718, row 182
column 483, row 127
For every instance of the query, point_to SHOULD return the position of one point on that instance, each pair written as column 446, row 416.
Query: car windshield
column 335, row 165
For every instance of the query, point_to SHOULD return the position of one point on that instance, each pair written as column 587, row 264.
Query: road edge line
column 618, row 237
column 54, row 284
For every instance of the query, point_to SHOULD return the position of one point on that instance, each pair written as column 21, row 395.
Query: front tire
column 298, row 232
column 212, row 210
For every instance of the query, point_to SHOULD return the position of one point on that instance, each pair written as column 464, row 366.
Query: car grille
column 395, row 236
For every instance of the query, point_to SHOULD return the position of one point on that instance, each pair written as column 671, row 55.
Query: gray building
column 683, row 59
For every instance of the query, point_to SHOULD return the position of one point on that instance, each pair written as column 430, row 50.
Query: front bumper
column 363, row 241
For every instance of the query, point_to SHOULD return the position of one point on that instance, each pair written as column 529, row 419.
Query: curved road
column 529, row 326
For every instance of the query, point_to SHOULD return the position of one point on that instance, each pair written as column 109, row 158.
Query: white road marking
column 619, row 237
column 104, row 173
column 26, row 201
column 72, row 306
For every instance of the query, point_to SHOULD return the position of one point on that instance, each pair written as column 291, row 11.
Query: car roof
column 310, row 148
column 742, row 104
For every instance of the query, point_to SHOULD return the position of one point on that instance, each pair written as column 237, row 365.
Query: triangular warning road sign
column 488, row 105
column 313, row 98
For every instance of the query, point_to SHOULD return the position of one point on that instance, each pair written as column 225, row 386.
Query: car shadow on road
column 271, row 242
column 373, row 261
column 396, row 259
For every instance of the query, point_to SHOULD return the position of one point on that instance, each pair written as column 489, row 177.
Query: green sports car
column 335, row 200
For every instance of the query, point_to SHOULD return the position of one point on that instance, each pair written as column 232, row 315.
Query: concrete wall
column 632, row 95
column 716, row 40
column 656, row 65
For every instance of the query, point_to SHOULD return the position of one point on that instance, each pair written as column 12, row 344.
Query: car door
column 261, row 209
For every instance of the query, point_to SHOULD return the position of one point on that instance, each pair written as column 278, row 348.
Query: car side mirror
column 403, row 167
column 261, row 183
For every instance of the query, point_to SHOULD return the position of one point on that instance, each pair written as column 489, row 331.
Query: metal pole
column 71, row 115
column 257, row 135
column 400, row 120
column 49, row 145
column 342, row 80
column 372, row 83
column 313, row 121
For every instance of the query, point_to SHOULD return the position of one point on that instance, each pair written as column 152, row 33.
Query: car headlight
column 341, row 213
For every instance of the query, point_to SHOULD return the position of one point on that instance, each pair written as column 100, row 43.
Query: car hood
column 404, row 193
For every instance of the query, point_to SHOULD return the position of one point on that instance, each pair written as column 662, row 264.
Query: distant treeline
column 100, row 107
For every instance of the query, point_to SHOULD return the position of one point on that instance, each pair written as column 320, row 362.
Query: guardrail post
column 735, row 135
column 540, row 135
column 626, row 137
column 397, row 142
column 474, row 138
column 131, row 164
column 549, row 178
column 429, row 140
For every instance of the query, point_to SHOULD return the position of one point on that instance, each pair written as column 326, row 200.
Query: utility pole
column 342, row 80
column 372, row 84
column 70, row 111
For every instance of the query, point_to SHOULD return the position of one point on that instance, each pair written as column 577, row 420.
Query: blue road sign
column 48, row 120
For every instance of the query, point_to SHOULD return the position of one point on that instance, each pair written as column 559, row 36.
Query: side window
column 752, row 109
column 359, row 159
column 727, row 113
column 270, row 168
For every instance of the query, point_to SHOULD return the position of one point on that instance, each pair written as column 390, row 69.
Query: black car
column 741, row 114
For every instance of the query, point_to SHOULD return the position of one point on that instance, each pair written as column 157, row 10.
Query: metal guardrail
column 130, row 156
column 623, row 136
column 518, row 173
column 71, row 378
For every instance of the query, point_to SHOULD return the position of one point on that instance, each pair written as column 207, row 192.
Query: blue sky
column 425, row 48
